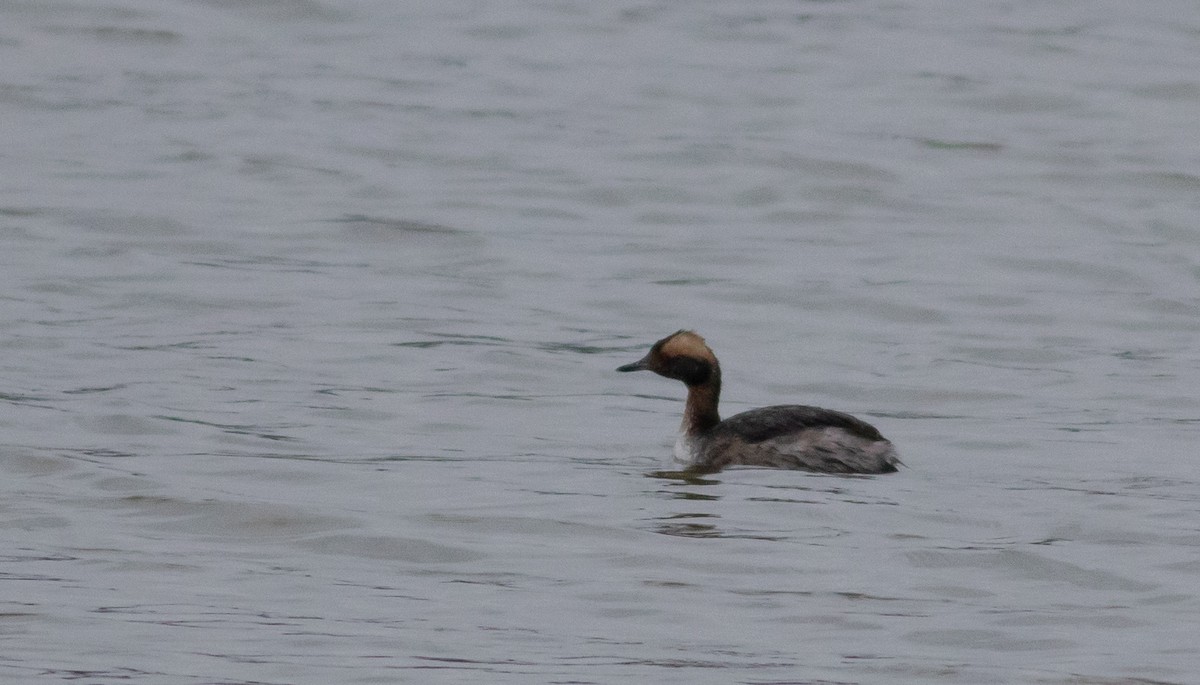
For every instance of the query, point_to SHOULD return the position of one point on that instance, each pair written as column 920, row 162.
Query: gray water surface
column 309, row 316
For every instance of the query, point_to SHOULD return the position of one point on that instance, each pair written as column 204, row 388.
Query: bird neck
column 700, row 413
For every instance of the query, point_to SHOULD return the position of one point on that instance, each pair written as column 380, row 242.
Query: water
column 311, row 310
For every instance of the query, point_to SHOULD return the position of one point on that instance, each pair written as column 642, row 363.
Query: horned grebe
column 785, row 436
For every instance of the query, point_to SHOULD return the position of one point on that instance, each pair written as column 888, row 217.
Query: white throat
column 686, row 452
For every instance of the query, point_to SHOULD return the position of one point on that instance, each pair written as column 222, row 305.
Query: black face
column 690, row 370
column 687, row 369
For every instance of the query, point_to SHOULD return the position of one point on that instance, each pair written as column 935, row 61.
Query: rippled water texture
column 309, row 316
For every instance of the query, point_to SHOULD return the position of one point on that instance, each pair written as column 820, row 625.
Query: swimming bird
column 788, row 436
